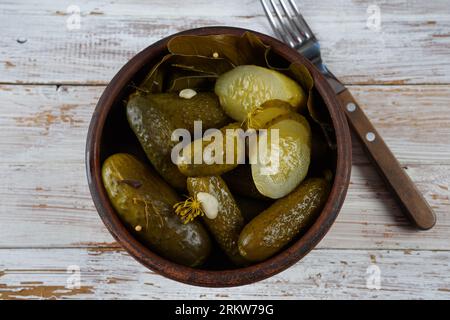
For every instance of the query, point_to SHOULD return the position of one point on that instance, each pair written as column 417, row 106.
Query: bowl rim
column 216, row 278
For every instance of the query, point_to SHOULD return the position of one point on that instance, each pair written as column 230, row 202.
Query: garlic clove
column 187, row 93
column 209, row 203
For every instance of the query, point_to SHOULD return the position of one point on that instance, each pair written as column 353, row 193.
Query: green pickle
column 145, row 202
column 229, row 222
column 188, row 167
column 154, row 117
column 294, row 147
column 246, row 87
column 204, row 106
column 275, row 227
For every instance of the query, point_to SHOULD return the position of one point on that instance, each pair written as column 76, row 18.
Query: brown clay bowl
column 109, row 133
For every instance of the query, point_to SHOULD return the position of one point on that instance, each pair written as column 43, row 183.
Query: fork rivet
column 370, row 136
column 351, row 107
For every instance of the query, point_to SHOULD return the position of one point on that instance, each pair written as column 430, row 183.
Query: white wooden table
column 51, row 77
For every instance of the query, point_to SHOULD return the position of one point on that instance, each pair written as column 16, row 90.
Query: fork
column 289, row 26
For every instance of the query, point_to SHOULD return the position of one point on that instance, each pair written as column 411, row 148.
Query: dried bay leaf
column 198, row 81
column 164, row 74
column 247, row 49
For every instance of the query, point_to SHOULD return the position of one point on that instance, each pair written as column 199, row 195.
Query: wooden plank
column 323, row 274
column 37, row 47
column 412, row 121
column 45, row 202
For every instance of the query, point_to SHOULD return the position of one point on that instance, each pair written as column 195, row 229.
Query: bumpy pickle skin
column 229, row 221
column 144, row 202
column 188, row 167
column 204, row 106
column 275, row 227
column 245, row 88
column 154, row 117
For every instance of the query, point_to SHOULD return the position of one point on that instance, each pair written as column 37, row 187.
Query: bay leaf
column 153, row 82
column 211, row 66
column 193, row 80
column 247, row 49
column 162, row 75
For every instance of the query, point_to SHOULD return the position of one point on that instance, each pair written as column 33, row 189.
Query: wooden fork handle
column 411, row 200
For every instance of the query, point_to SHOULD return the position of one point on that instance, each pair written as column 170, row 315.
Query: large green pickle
column 145, row 202
column 154, row 117
column 274, row 228
column 204, row 106
column 228, row 223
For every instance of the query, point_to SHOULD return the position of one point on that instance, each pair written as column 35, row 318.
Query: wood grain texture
column 112, row 32
column 47, row 220
column 45, row 190
column 322, row 274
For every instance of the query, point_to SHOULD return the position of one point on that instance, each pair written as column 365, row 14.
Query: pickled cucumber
column 144, row 203
column 204, row 150
column 204, row 106
column 269, row 110
column 228, row 223
column 274, row 228
column 245, row 88
column 154, row 117
column 286, row 161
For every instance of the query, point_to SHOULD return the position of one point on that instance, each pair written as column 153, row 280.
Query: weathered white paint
column 323, row 274
column 412, row 45
column 47, row 219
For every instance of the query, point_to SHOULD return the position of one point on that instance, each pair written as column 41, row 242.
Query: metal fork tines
column 296, row 31
column 289, row 26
